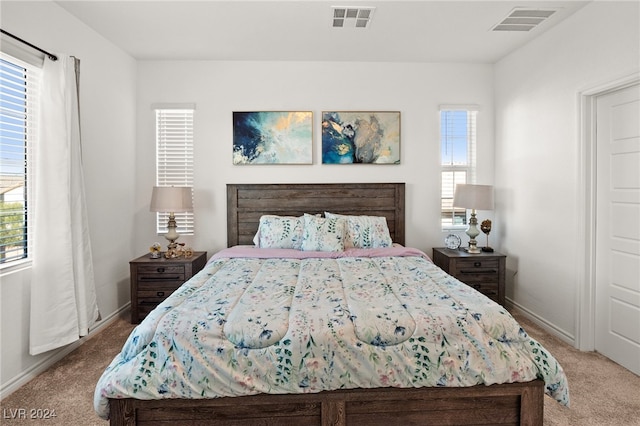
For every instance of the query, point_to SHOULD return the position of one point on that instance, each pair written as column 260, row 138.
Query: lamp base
column 472, row 232
column 487, row 249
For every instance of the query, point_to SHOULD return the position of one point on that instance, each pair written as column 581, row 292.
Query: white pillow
column 323, row 234
column 365, row 231
column 279, row 232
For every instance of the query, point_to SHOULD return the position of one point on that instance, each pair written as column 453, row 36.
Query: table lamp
column 171, row 199
column 474, row 197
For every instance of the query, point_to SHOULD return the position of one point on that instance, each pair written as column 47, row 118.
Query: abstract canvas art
column 369, row 137
column 273, row 137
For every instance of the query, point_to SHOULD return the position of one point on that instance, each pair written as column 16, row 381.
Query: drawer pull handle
column 161, row 270
column 477, row 264
column 484, row 271
column 166, row 278
column 160, row 294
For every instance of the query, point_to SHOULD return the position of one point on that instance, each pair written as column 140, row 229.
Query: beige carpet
column 602, row 392
column 67, row 387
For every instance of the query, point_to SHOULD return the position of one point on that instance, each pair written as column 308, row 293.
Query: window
column 19, row 100
column 457, row 159
column 174, row 158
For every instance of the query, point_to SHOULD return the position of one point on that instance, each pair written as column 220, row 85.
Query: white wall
column 538, row 151
column 219, row 88
column 108, row 122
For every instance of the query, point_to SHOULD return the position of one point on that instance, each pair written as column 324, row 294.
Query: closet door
column 618, row 227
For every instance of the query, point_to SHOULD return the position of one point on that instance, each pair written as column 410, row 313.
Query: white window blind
column 458, row 159
column 174, row 159
column 19, row 102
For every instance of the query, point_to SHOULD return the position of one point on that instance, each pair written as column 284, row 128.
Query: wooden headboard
column 247, row 202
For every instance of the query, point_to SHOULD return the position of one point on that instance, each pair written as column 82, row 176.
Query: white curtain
column 63, row 295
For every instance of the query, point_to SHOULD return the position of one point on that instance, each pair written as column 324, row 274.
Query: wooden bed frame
column 505, row 404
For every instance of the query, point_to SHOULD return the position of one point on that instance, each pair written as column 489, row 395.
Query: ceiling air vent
column 521, row 19
column 351, row 17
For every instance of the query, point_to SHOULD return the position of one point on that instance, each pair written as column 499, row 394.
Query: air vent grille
column 351, row 17
column 521, row 19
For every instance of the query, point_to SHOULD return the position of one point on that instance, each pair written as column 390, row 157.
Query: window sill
column 459, row 228
column 14, row 267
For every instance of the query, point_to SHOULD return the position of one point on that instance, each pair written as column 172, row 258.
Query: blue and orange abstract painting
column 360, row 137
column 273, row 137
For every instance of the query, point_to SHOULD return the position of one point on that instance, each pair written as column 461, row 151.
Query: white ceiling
column 400, row 31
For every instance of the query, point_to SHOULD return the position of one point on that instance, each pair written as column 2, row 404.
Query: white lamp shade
column 172, row 199
column 478, row 197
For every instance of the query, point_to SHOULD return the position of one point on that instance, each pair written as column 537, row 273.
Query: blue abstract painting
column 360, row 137
column 273, row 137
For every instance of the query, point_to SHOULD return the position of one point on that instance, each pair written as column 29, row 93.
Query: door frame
column 586, row 303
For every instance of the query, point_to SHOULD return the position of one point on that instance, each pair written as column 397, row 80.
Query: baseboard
column 29, row 374
column 542, row 323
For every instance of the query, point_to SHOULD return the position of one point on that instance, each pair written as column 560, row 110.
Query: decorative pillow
column 323, row 234
column 279, row 232
column 365, row 231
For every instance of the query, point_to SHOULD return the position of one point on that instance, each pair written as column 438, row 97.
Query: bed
column 293, row 387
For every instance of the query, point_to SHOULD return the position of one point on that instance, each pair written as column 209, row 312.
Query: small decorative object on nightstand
column 452, row 241
column 153, row 280
column 155, row 251
column 485, row 227
column 483, row 271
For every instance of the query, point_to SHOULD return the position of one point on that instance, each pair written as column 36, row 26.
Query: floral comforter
column 287, row 321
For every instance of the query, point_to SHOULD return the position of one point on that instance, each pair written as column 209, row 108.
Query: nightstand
column 153, row 280
column 483, row 271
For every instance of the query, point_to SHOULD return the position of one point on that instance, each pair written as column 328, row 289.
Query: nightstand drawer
column 153, row 297
column 477, row 277
column 159, row 283
column 477, row 266
column 156, row 271
column 145, row 308
column 157, row 293
column 490, row 290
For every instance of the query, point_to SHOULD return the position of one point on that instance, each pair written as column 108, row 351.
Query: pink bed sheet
column 267, row 253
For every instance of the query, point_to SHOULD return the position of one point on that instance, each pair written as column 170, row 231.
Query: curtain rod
column 50, row 55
